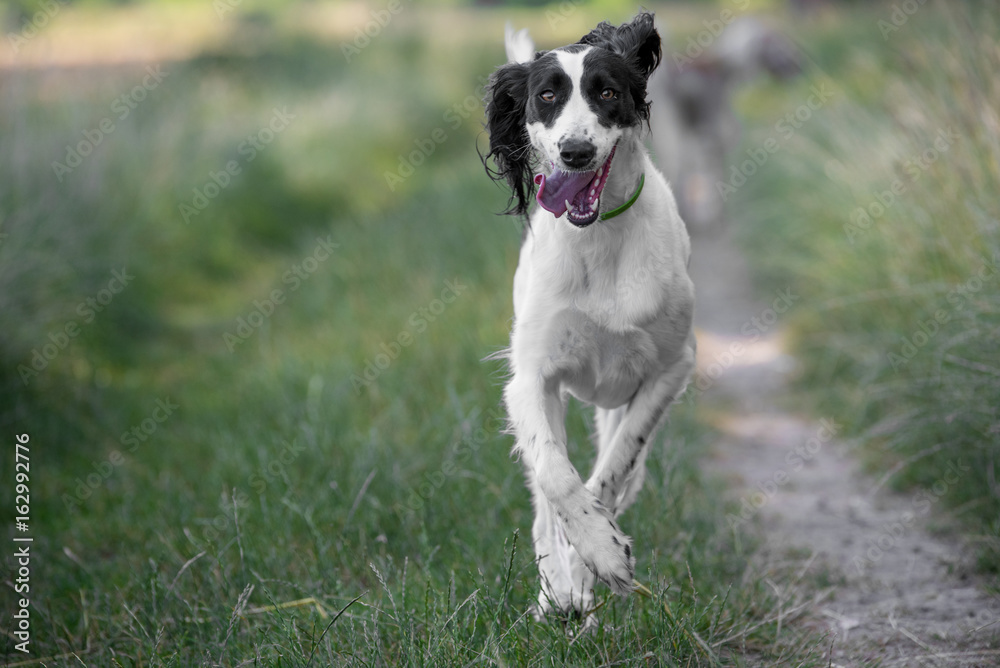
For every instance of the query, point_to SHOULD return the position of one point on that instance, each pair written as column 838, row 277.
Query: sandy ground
column 852, row 558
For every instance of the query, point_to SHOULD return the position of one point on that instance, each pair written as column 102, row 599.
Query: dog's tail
column 519, row 47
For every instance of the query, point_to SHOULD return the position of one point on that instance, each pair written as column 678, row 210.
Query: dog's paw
column 564, row 599
column 575, row 621
column 607, row 551
column 615, row 566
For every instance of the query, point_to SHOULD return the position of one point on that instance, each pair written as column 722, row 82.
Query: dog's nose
column 576, row 153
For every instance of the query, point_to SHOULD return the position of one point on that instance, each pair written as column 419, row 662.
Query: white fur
column 603, row 313
column 577, row 120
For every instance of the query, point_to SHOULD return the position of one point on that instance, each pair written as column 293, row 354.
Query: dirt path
column 860, row 558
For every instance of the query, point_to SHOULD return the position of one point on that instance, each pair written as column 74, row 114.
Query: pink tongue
column 559, row 186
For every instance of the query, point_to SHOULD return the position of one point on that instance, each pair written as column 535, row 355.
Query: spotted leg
column 537, row 417
column 620, row 467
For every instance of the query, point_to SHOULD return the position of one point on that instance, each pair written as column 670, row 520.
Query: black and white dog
column 603, row 304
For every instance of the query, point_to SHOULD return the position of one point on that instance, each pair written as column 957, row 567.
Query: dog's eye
column 608, row 94
column 547, row 96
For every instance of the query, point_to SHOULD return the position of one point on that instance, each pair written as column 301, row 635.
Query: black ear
column 510, row 146
column 637, row 41
column 639, row 44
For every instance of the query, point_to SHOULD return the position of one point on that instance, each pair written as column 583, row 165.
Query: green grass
column 897, row 334
column 163, row 539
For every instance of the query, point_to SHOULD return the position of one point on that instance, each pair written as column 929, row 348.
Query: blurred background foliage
column 886, row 215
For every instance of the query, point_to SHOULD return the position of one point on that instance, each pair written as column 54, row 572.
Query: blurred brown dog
column 693, row 124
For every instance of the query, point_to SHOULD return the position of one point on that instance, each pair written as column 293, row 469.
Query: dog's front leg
column 536, row 411
column 567, row 585
column 617, row 474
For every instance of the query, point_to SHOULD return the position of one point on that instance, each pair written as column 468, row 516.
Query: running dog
column 603, row 305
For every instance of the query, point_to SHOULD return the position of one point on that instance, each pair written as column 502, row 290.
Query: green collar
column 624, row 207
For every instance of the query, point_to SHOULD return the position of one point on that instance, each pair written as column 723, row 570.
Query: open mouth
column 577, row 194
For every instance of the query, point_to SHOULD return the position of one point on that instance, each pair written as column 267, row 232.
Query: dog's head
column 567, row 109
